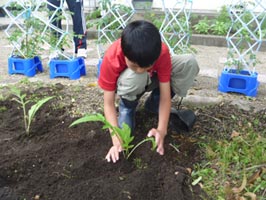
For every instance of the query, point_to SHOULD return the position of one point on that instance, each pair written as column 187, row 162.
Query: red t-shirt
column 114, row 63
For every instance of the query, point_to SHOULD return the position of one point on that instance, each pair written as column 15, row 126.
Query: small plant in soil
column 139, row 163
column 28, row 116
column 123, row 133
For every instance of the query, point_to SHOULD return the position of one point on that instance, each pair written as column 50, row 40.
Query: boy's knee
column 192, row 63
column 130, row 84
column 185, row 69
column 184, row 64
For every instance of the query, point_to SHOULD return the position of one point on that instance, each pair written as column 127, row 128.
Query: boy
column 140, row 62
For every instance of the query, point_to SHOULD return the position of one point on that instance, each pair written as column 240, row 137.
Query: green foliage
column 202, row 26
column 234, row 167
column 124, row 133
column 139, row 163
column 223, row 15
column 28, row 116
column 3, row 108
column 156, row 19
column 220, row 28
column 30, row 41
column 113, row 27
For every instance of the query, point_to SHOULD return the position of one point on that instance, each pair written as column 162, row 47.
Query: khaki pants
column 131, row 85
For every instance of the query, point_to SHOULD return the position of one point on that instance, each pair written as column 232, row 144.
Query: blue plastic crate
column 240, row 82
column 28, row 66
column 72, row 69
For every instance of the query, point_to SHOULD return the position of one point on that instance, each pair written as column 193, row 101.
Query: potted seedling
column 24, row 34
column 244, row 40
column 62, row 62
column 236, row 78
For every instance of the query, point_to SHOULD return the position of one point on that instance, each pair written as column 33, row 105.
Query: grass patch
column 234, row 168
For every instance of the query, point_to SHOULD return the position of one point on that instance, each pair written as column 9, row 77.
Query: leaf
column 195, row 182
column 241, row 188
column 89, row 118
column 34, row 108
column 105, row 126
column 154, row 145
column 255, row 176
column 125, row 134
column 251, row 195
column 92, row 84
column 235, row 134
column 15, row 91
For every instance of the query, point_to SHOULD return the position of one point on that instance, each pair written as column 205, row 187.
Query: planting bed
column 60, row 163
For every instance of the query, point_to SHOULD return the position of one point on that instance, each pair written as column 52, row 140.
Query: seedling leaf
column 34, row 108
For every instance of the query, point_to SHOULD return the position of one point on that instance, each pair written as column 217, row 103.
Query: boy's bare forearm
column 164, row 112
column 110, row 113
column 164, row 107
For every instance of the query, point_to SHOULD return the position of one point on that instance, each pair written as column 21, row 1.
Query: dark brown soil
column 60, row 163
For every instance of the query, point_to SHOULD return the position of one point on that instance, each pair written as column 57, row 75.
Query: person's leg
column 57, row 20
column 130, row 87
column 184, row 70
column 79, row 25
column 127, row 111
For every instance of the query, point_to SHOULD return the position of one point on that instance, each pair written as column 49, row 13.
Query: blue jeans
column 127, row 111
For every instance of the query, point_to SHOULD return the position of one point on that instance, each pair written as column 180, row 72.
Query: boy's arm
column 111, row 116
column 164, row 106
column 164, row 112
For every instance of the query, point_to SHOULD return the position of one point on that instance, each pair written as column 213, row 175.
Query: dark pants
column 78, row 18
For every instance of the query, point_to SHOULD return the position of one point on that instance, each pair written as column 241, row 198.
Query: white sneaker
column 54, row 55
column 82, row 53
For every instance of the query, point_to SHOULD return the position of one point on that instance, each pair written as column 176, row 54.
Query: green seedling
column 139, row 163
column 123, row 133
column 28, row 116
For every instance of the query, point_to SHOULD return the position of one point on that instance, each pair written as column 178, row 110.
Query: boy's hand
column 113, row 153
column 159, row 139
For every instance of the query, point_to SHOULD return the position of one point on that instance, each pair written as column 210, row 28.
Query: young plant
column 123, row 133
column 26, row 34
column 28, row 116
column 202, row 26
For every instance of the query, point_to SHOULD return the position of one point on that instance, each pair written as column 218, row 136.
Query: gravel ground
column 204, row 92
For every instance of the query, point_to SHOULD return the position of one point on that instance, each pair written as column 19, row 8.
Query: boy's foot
column 54, row 55
column 82, row 53
column 151, row 106
column 182, row 120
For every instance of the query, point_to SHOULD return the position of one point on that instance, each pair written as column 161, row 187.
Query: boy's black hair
column 141, row 43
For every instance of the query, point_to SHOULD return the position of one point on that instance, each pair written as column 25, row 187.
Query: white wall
column 197, row 5
column 208, row 5
column 90, row 4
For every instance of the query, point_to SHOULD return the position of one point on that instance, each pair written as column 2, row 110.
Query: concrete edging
column 215, row 40
column 195, row 39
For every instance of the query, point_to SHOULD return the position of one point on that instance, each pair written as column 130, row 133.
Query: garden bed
column 57, row 162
